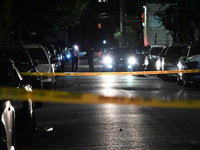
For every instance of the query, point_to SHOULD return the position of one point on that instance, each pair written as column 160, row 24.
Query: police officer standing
column 90, row 57
column 75, row 58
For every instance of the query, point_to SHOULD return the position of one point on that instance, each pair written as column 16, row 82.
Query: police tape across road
column 111, row 73
column 86, row 98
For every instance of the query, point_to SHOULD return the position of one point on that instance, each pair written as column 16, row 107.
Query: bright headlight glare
column 158, row 64
column 107, row 60
column 75, row 47
column 132, row 60
column 180, row 66
column 68, row 55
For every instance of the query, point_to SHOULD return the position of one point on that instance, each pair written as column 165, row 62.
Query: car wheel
column 26, row 127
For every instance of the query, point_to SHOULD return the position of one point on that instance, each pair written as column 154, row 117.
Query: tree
column 129, row 36
column 169, row 19
column 21, row 17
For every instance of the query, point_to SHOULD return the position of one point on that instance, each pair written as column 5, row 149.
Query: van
column 152, row 56
column 168, row 59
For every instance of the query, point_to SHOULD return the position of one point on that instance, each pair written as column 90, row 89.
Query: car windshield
column 155, row 50
column 20, row 57
column 9, row 76
column 175, row 52
column 195, row 51
column 39, row 55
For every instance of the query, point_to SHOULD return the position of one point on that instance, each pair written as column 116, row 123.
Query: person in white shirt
column 75, row 58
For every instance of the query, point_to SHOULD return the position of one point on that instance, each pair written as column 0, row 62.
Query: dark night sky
column 88, row 30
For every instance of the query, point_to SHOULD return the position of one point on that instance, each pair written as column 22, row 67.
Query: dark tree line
column 19, row 18
column 182, row 20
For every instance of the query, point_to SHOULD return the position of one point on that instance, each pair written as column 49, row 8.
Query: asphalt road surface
column 118, row 127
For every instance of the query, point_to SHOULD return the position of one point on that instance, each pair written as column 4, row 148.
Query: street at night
column 112, row 126
column 100, row 75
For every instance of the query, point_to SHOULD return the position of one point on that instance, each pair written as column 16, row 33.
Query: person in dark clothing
column 75, row 58
column 90, row 57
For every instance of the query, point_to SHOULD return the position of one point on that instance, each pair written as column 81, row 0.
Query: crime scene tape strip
column 111, row 73
column 86, row 98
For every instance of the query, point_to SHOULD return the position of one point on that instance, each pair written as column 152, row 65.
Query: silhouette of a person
column 75, row 58
column 90, row 57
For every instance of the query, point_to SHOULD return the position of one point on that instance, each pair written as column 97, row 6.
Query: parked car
column 24, row 63
column 60, row 54
column 43, row 64
column 55, row 59
column 168, row 59
column 152, row 56
column 17, row 123
column 190, row 60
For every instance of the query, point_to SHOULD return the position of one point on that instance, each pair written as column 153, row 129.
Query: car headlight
column 107, row 60
column 132, row 60
column 180, row 66
column 68, row 55
column 158, row 64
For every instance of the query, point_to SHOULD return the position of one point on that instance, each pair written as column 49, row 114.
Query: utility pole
column 140, row 21
column 121, row 15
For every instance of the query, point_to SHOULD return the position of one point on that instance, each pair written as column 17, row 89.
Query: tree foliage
column 20, row 17
column 169, row 19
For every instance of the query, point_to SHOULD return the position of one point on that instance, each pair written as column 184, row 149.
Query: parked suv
column 31, row 58
column 41, row 58
column 152, row 56
column 189, row 60
column 55, row 56
column 17, row 123
column 24, row 63
column 168, row 59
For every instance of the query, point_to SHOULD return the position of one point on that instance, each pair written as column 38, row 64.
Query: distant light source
column 104, row 41
column 102, row 1
column 99, row 25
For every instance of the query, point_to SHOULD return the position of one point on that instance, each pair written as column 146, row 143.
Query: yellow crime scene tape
column 111, row 73
column 86, row 98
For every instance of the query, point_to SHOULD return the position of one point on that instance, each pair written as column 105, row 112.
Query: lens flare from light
column 132, row 60
column 107, row 60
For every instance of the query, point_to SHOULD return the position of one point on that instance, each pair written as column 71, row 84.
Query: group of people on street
column 89, row 55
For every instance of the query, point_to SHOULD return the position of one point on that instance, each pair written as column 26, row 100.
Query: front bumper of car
column 191, row 78
column 108, row 63
column 129, row 64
